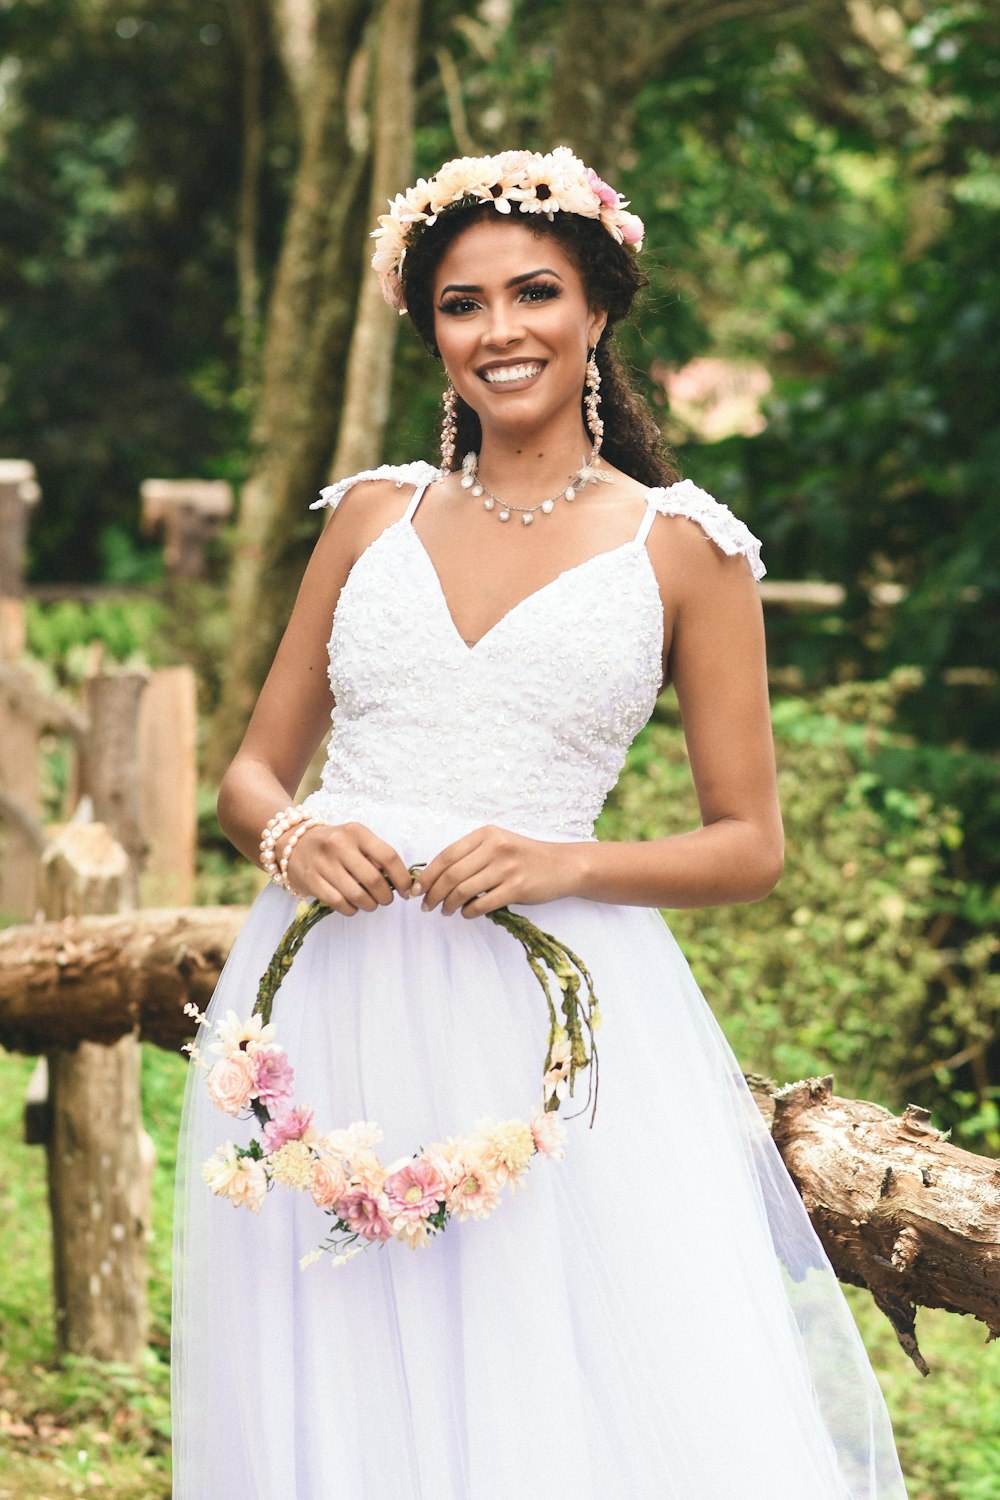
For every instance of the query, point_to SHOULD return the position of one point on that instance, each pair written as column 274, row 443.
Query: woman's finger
column 460, row 881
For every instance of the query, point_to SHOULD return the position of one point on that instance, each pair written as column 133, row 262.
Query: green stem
column 542, row 951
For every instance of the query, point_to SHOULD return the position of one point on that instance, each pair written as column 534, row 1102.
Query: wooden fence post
column 99, row 1163
column 189, row 512
column 109, row 763
column 168, row 786
column 19, row 793
column 18, row 726
column 18, row 492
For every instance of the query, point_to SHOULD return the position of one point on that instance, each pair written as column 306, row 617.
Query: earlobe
column 598, row 323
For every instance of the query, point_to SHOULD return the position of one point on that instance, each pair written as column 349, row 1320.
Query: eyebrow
column 454, row 286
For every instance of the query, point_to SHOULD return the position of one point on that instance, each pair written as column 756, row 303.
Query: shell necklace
column 589, row 472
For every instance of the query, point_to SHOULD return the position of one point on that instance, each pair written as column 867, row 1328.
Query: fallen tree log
column 898, row 1208
column 96, row 979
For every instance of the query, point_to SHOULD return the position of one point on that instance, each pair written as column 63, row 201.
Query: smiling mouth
column 508, row 374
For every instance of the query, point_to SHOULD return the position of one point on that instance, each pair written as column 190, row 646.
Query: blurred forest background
column 186, row 189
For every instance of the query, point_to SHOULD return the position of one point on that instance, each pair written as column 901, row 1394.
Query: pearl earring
column 592, row 401
column 449, row 427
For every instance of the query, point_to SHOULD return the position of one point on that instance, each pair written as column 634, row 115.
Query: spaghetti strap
column 415, row 499
column 645, row 523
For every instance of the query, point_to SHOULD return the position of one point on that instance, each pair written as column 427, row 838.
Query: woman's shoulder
column 731, row 535
column 391, row 476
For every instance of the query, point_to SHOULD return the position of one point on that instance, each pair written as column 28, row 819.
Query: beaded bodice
column 529, row 727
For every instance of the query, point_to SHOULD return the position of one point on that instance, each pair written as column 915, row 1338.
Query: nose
column 504, row 326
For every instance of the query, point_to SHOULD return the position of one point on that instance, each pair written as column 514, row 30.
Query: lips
column 509, row 374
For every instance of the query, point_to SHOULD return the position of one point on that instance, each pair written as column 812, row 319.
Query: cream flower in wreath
column 505, row 1150
column 292, row 1164
column 555, row 1080
column 236, row 1035
column 353, row 1141
column 474, row 1192
column 241, row 1179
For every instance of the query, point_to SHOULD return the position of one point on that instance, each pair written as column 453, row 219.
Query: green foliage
column 119, row 169
column 63, row 633
column 80, row 1427
column 873, row 959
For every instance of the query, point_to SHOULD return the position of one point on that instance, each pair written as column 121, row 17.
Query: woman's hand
column 492, row 867
column 347, row 867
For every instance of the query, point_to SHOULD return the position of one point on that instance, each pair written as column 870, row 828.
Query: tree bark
column 99, row 1159
column 323, row 47
column 899, row 1210
column 369, row 365
column 100, row 978
column 592, row 109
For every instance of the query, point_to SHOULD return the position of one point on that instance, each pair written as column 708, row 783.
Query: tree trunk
column 309, row 321
column 369, row 365
column 592, row 109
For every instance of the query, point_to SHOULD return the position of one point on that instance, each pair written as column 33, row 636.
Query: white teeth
column 510, row 373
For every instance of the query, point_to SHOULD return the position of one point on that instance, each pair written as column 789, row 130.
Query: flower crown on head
column 557, row 182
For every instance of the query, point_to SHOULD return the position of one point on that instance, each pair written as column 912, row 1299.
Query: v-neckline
column 630, row 545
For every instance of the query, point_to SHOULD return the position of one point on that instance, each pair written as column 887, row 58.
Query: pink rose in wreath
column 231, row 1082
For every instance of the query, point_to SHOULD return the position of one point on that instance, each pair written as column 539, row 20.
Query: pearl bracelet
column 301, row 829
column 274, row 830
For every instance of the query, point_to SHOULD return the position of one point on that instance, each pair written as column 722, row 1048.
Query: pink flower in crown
column 231, row 1082
column 292, row 1125
column 273, row 1076
column 414, row 1190
column 609, row 198
column 329, row 1181
column 548, row 1133
column 631, row 228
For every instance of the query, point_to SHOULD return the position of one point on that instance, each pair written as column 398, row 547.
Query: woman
column 652, row 1316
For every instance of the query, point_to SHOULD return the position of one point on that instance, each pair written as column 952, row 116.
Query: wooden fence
column 124, row 837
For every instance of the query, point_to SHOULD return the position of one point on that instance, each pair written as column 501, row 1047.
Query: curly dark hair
column 611, row 278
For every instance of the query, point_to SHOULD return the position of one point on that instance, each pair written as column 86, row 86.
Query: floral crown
column 557, row 182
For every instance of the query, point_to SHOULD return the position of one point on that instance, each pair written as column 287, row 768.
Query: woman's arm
column 716, row 660
column 343, row 865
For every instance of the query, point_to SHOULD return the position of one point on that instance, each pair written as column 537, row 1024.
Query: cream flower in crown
column 523, row 181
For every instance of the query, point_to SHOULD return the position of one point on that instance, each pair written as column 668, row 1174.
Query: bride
column 652, row 1316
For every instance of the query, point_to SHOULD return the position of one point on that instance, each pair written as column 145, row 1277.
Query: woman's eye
column 542, row 291
column 458, row 305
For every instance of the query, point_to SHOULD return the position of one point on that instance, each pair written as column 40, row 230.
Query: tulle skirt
column 652, row 1317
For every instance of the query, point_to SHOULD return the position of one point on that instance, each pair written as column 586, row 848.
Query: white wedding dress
column 653, row 1316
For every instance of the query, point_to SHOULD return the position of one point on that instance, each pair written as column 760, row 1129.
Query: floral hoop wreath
column 557, row 182
column 414, row 1198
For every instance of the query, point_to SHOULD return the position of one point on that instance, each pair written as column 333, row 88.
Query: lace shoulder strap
column 418, row 473
column 716, row 520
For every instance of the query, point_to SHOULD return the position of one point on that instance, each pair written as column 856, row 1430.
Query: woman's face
column 513, row 325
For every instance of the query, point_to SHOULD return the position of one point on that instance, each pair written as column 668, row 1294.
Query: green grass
column 86, row 1429
column 80, row 1428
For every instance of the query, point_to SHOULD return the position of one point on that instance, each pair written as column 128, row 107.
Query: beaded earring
column 592, row 401
column 449, row 427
